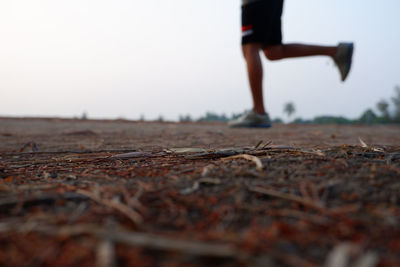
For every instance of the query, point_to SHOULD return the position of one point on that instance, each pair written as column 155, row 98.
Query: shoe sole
column 349, row 59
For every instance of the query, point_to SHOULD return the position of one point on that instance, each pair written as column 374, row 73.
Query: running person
column 261, row 31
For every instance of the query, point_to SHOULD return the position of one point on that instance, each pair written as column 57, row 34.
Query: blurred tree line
column 388, row 112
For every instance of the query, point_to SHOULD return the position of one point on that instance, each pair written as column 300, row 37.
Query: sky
column 131, row 58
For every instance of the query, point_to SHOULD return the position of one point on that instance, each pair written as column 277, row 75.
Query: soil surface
column 123, row 193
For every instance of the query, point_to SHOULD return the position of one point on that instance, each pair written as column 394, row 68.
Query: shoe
column 343, row 59
column 251, row 119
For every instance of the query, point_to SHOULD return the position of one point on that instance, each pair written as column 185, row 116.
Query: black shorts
column 261, row 22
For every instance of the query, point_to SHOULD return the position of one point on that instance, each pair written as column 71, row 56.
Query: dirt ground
column 58, row 135
column 123, row 193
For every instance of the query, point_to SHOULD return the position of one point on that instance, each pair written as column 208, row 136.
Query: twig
column 369, row 259
column 69, row 151
column 303, row 189
column 258, row 144
column 105, row 256
column 274, row 193
column 341, row 256
column 196, row 185
column 363, row 144
column 32, row 145
column 151, row 241
column 122, row 208
column 266, row 145
column 132, row 155
column 309, row 190
column 256, row 160
column 314, row 152
column 206, row 170
column 134, row 200
column 318, row 205
column 317, row 219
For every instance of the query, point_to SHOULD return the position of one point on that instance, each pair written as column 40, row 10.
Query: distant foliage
column 331, row 120
column 84, row 116
column 185, row 118
column 396, row 103
column 160, row 119
column 301, row 121
column 368, row 117
column 386, row 112
column 211, row 116
column 383, row 108
column 289, row 109
column 277, row 120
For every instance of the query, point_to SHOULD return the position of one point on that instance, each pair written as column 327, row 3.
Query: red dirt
column 304, row 195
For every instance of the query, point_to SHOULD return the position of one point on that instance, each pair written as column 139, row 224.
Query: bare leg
column 277, row 52
column 251, row 54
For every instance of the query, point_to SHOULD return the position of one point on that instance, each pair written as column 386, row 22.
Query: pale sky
column 124, row 58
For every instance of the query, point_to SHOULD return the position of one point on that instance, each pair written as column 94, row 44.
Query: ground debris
column 199, row 205
column 196, row 185
column 256, row 160
column 351, row 255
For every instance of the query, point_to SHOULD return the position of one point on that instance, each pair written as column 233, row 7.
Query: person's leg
column 276, row 52
column 257, row 117
column 251, row 53
column 341, row 54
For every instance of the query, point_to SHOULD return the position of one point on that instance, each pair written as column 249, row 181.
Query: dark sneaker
column 343, row 59
column 251, row 119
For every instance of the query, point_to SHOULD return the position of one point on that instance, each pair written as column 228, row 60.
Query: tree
column 289, row 109
column 84, row 116
column 383, row 107
column 368, row 117
column 277, row 120
column 331, row 120
column 396, row 103
column 160, row 119
column 301, row 121
column 186, row 118
column 211, row 116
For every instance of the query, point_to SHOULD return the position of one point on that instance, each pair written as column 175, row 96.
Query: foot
column 343, row 59
column 251, row 119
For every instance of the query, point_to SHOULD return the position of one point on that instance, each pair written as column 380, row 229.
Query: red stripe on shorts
column 247, row 27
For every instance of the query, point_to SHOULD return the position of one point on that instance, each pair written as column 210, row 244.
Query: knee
column 251, row 51
column 273, row 52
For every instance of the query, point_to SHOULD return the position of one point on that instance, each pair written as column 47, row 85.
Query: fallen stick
column 105, row 254
column 256, row 160
column 316, row 219
column 134, row 216
column 258, row 144
column 351, row 254
column 313, row 152
column 306, row 202
column 196, row 185
column 137, row 154
column 70, row 151
column 318, row 205
column 150, row 241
